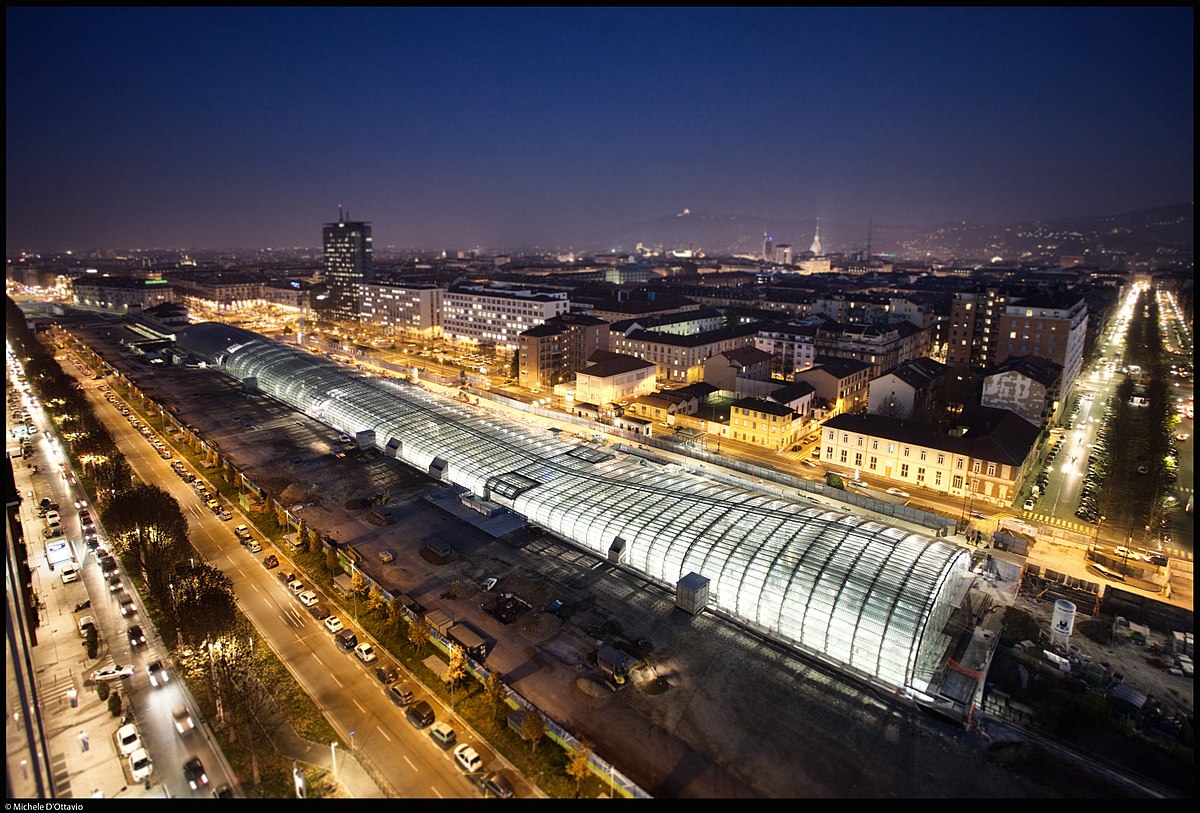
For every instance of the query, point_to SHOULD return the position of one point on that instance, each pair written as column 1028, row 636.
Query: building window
column 922, row 454
column 843, row 455
column 906, row 451
column 858, row 460
column 937, row 478
column 958, row 464
column 872, row 464
column 874, row 445
column 891, row 448
column 958, row 481
column 941, row 459
column 991, row 469
column 904, row 471
column 921, row 475
column 976, row 467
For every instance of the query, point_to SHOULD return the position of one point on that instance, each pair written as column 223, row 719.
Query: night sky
column 469, row 127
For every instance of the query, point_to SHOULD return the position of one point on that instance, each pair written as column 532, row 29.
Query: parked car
column 140, row 766
column 70, row 573
column 128, row 740
column 365, row 652
column 320, row 611
column 420, row 714
column 271, row 561
column 468, row 758
column 386, row 672
column 308, row 598
column 443, row 734
column 400, row 693
column 347, row 639
column 334, row 624
column 136, row 636
column 494, row 784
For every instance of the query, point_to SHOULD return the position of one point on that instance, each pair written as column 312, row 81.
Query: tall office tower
column 815, row 248
column 347, row 267
column 768, row 251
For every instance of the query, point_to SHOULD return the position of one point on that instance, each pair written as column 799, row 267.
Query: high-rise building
column 347, row 267
column 815, row 248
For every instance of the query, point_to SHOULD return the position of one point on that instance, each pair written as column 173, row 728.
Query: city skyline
column 491, row 127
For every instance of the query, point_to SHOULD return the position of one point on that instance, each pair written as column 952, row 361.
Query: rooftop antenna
column 341, row 217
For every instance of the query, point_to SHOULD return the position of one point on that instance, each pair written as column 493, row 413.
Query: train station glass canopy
column 865, row 596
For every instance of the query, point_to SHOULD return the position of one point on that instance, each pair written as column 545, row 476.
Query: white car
column 140, row 766
column 895, row 492
column 468, row 758
column 127, row 739
column 1126, row 553
column 308, row 598
column 365, row 652
column 334, row 624
column 115, row 672
column 86, row 623
column 1029, row 504
column 254, row 547
column 70, row 574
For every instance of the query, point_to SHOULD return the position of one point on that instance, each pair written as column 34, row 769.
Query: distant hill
column 1163, row 233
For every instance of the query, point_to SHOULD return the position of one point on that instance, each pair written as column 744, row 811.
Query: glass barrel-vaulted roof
column 871, row 598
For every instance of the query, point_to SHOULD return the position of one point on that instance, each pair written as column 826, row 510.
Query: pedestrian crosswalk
column 1065, row 524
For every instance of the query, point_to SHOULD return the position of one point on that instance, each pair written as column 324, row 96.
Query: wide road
column 346, row 690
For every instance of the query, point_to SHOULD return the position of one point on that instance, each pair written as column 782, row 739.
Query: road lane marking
column 409, row 761
column 384, row 733
column 435, row 790
column 360, row 706
column 338, row 682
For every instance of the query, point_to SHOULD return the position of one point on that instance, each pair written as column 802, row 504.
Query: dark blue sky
column 463, row 126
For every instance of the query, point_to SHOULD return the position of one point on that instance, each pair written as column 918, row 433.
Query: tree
column 578, row 764
column 494, row 693
column 114, row 704
column 375, row 599
column 315, row 543
column 203, row 601
column 456, row 670
column 834, row 480
column 533, row 728
column 236, row 685
column 148, row 527
column 331, row 561
column 395, row 613
column 92, row 642
column 418, row 634
column 103, row 689
column 359, row 585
